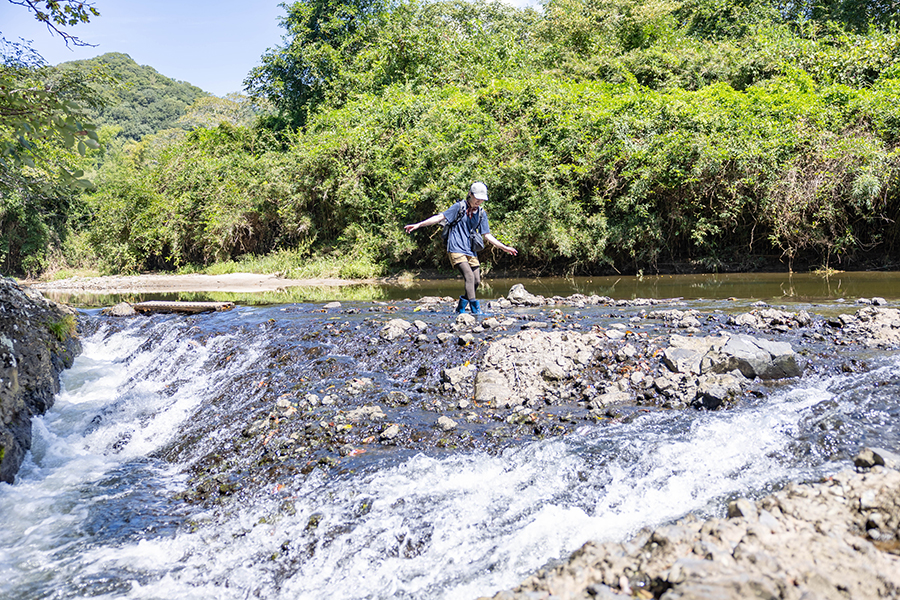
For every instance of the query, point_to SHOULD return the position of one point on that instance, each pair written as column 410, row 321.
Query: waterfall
column 95, row 510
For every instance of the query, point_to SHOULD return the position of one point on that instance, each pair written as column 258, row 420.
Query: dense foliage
column 621, row 135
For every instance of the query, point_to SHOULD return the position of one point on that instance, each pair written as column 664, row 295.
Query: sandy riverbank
column 163, row 283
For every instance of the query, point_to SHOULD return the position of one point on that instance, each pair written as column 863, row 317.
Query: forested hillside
column 623, row 136
column 135, row 97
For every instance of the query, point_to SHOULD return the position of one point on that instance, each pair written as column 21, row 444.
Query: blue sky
column 210, row 44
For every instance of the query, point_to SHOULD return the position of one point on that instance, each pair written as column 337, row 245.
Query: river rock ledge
column 37, row 341
column 834, row 539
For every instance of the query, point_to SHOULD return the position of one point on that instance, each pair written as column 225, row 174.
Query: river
column 98, row 508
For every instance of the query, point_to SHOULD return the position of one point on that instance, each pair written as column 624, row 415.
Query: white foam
column 447, row 527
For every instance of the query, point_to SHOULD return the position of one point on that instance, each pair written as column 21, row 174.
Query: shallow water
column 94, row 512
column 769, row 287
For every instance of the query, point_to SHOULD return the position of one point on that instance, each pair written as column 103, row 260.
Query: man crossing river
column 467, row 225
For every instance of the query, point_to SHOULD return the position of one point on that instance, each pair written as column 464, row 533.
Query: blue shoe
column 475, row 307
column 463, row 303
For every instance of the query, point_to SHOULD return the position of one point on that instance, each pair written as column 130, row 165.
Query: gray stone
column 395, row 328
column 332, row 305
column 390, row 433
column 519, row 296
column 122, row 309
column 756, row 358
column 445, row 423
column 456, row 375
column 742, row 508
column 366, row 413
column 491, row 386
column 871, row 457
column 465, row 339
column 682, row 360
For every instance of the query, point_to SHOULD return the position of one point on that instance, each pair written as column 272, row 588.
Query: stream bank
column 37, row 342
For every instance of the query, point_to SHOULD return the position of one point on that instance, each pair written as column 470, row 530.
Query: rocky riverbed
column 333, row 388
column 369, row 383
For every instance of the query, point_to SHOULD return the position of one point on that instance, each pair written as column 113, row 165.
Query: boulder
column 395, row 328
column 491, row 386
column 753, row 357
column 519, row 296
column 38, row 340
column 445, row 423
column 122, row 309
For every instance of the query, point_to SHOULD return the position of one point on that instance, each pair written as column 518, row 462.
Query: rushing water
column 93, row 511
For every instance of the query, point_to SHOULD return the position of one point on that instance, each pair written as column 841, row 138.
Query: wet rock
column 444, row 337
column 390, row 433
column 357, row 386
column 464, row 322
column 122, row 309
column 742, row 508
column 395, row 328
column 465, row 339
column 397, row 397
column 519, row 296
column 37, row 342
column 872, row 457
column 714, row 391
column 835, row 539
column 616, row 393
column 366, row 413
column 332, row 305
column 445, row 423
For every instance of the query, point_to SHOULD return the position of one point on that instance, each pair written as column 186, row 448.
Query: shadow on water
column 768, row 287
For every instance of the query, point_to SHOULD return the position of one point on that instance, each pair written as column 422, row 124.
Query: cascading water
column 94, row 511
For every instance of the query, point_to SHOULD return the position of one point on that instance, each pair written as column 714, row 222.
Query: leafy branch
column 59, row 14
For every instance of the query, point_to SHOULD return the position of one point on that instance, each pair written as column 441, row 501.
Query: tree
column 321, row 35
column 38, row 103
column 855, row 15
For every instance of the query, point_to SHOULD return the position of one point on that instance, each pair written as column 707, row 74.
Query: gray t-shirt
column 458, row 237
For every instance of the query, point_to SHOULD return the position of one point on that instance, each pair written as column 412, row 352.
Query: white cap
column 479, row 190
